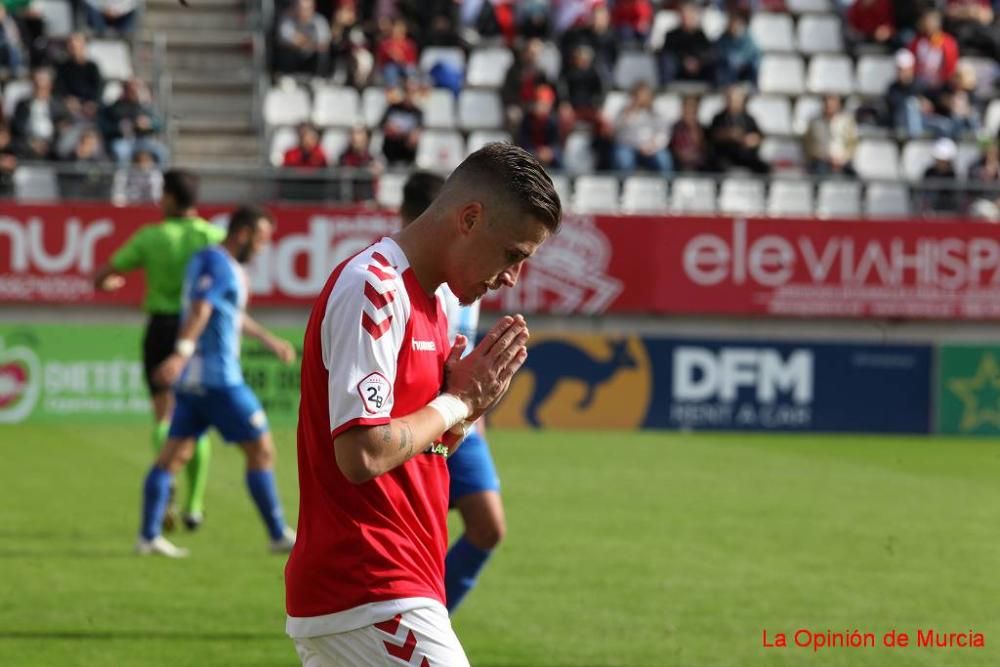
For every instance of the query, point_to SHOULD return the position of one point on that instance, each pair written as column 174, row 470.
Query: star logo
column 980, row 395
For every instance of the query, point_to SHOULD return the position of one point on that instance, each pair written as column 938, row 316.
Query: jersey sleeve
column 210, row 278
column 132, row 254
column 363, row 331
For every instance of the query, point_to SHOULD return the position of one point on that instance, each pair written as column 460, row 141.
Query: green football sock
column 197, row 474
column 160, row 432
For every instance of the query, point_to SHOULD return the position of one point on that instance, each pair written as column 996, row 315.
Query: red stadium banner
column 600, row 264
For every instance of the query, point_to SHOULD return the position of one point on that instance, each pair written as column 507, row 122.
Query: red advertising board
column 718, row 266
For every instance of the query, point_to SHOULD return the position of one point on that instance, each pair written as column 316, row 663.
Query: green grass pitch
column 653, row 549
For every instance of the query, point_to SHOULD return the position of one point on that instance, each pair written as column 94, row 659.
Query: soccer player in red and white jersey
column 386, row 398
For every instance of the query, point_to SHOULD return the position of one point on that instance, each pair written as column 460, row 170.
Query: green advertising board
column 93, row 373
column 968, row 390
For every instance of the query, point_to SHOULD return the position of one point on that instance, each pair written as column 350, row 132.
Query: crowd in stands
column 379, row 43
column 57, row 107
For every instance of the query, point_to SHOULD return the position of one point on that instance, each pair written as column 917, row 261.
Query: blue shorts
column 472, row 469
column 234, row 411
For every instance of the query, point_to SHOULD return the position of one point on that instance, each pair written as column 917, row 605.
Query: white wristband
column 451, row 408
column 185, row 347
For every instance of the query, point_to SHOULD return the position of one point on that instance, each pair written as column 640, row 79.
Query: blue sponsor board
column 585, row 382
column 754, row 385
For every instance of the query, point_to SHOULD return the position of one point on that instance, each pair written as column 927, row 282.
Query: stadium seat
column 432, row 55
column 741, row 196
column 58, row 15
column 439, row 109
column 440, row 150
column 578, row 156
column 807, row 107
column 389, row 193
column 887, row 200
column 614, row 102
column 991, row 121
column 916, row 158
column 488, row 66
column 112, row 57
column 773, row 113
column 710, row 106
column 479, row 110
column 691, row 194
column 335, row 106
column 819, row 33
column 968, row 154
column 480, row 138
column 877, row 159
column 35, row 184
column 838, row 199
column 790, row 198
column 283, row 140
column 550, row 61
column 375, row 144
column 633, row 67
column 111, row 92
column 986, row 74
column 373, row 104
column 781, row 73
column 595, row 194
column 286, row 105
column 14, row 92
column 808, row 6
column 782, row 153
column 668, row 105
column 713, row 22
column 830, row 74
column 334, row 143
column 563, row 188
column 773, row 32
column 874, row 74
column 665, row 21
column 644, row 194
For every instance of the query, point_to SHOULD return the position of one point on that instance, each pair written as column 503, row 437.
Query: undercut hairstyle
column 247, row 217
column 509, row 179
column 421, row 188
column 182, row 186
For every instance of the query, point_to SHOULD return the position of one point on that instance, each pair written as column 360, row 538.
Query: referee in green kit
column 162, row 251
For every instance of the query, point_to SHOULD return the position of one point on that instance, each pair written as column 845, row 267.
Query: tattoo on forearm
column 405, row 438
column 386, row 433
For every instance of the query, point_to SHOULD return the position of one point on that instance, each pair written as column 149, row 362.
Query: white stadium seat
column 839, row 199
column 614, row 102
column 773, row 31
column 14, row 92
column 713, row 22
column 578, row 156
column 336, row 106
column 874, row 74
column 807, row 107
column 480, row 138
column 373, row 104
column 550, row 61
column 830, row 74
column 916, row 159
column 633, row 67
column 112, row 58
column 781, row 73
column 439, row 109
column 782, row 153
column 809, row 6
column 644, row 194
column 488, row 66
column 710, row 106
column 773, row 113
column 58, row 15
column 389, row 193
column 480, row 110
column 790, row 198
column 664, row 21
column 741, row 196
column 283, row 140
column 668, row 105
column 35, row 184
column 563, row 188
column 986, row 74
column 887, row 200
column 819, row 33
column 690, row 194
column 286, row 105
column 334, row 143
column 432, row 55
column 440, row 150
column 968, row 154
column 595, row 194
column 877, row 159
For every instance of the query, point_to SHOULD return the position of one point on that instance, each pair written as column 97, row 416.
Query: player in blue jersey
column 208, row 381
column 475, row 486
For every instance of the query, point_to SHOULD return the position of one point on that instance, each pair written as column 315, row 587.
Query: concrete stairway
column 210, row 62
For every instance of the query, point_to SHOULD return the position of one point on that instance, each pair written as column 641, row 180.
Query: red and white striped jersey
column 374, row 349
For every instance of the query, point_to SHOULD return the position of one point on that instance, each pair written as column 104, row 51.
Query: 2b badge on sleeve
column 376, row 393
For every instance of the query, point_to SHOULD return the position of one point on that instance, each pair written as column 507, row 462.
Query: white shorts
column 420, row 638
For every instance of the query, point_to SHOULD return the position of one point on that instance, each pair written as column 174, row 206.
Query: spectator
column 358, row 155
column 972, row 24
column 140, row 183
column 910, row 108
column 78, row 80
column 642, row 135
column 935, row 51
column 303, row 42
column 985, row 175
column 688, row 143
column 686, row 54
column 523, row 78
column 632, row 20
column 8, row 162
column 955, row 114
column 581, row 85
column 540, row 129
column 117, row 15
column 831, row 139
column 12, row 56
column 308, row 154
column 870, row 21
column 735, row 137
column 87, row 179
column 401, row 125
column 349, row 46
column 941, row 195
column 593, row 30
column 131, row 124
column 396, row 56
column 738, row 56
column 39, row 119
column 532, row 18
column 906, row 15
column 88, row 148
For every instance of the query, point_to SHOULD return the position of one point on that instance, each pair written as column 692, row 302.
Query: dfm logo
column 703, row 374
